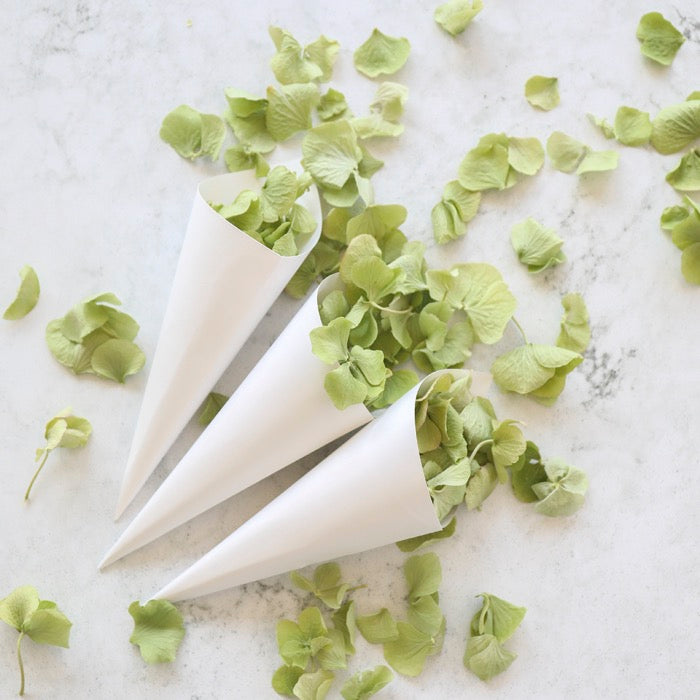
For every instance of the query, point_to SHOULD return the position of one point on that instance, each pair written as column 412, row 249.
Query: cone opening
column 225, row 188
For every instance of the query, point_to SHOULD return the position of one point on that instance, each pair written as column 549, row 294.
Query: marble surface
column 93, row 199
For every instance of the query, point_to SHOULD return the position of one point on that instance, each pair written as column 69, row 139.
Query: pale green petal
column 660, row 40
column 536, row 246
column 575, row 333
column 564, row 492
column 252, row 130
column 487, row 301
column 447, row 223
column 381, row 54
column 508, row 446
column 48, row 625
column 375, row 127
column 598, row 161
column 365, row 684
column 332, row 105
column 289, row 63
column 527, row 472
column 241, row 157
column 423, row 575
column 332, row 656
column 413, row 543
column 117, row 359
column 672, row 216
column 378, row 628
column 425, row 615
column 331, row 154
column 289, row 109
column 466, row 202
column 497, row 617
column 193, row 134
column 486, row 658
column 690, row 263
column 323, row 52
column 285, row 678
column 278, row 193
column 408, row 653
column 527, row 368
column 685, row 177
column 564, row 152
column 389, row 100
column 604, row 125
column 329, row 343
column 525, row 155
column 632, row 126
column 343, row 388
column 243, row 104
column 17, row 608
column 486, row 166
column 27, row 295
column 676, row 126
column 542, row 92
column 455, row 16
column 158, row 630
column 314, row 686
column 480, row 486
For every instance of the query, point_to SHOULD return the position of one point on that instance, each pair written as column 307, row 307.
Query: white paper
column 280, row 413
column 224, row 284
column 370, row 492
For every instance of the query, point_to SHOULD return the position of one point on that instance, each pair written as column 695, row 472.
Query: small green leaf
column 564, row 152
column 158, row 630
column 378, row 628
column 542, row 92
column 486, row 658
column 193, row 134
column 414, row 543
column 285, row 678
column 212, row 405
column 27, row 295
column 117, row 359
column 365, row 684
column 686, row 175
column 381, row 54
column 423, row 575
column 454, row 16
column 575, row 333
column 660, row 40
column 536, row 246
column 632, row 126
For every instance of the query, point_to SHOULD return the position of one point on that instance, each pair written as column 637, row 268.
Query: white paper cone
column 224, row 284
column 370, row 492
column 280, row 413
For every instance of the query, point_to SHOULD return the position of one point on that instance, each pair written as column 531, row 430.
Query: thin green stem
column 520, row 328
column 479, row 446
column 21, row 665
column 36, row 474
column 389, row 310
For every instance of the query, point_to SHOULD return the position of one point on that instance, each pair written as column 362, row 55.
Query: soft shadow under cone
column 370, row 492
column 224, row 284
column 280, row 413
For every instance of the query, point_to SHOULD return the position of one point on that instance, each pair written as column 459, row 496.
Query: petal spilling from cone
column 370, row 492
column 224, row 284
column 280, row 413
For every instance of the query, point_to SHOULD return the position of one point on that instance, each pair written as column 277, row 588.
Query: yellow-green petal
column 27, row 295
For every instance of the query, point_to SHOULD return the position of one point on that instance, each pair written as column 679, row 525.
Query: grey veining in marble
column 93, row 199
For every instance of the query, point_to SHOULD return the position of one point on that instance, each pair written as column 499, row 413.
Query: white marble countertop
column 92, row 198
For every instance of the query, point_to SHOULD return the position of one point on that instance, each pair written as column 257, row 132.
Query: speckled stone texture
column 92, row 198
